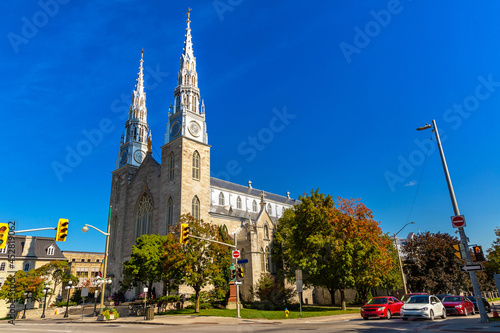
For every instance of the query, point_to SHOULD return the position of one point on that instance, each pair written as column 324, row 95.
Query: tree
column 205, row 262
column 431, row 265
column 272, row 291
column 493, row 264
column 336, row 246
column 57, row 272
column 392, row 278
column 150, row 261
column 14, row 286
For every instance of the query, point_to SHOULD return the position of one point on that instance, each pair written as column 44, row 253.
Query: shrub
column 202, row 306
column 169, row 298
column 63, row 304
column 272, row 294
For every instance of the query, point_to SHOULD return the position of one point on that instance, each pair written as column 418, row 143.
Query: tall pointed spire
column 134, row 147
column 185, row 118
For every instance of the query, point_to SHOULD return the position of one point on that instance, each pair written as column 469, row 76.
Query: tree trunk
column 332, row 294
column 197, row 302
column 342, row 299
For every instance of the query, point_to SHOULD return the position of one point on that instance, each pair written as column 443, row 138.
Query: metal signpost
column 298, row 278
column 460, row 224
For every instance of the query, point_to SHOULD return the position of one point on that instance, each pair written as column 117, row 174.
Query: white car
column 423, row 306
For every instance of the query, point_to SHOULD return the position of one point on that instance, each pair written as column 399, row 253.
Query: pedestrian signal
column 478, row 252
column 62, row 230
column 184, row 237
column 4, row 234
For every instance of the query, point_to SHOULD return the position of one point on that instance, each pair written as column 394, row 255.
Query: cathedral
column 149, row 196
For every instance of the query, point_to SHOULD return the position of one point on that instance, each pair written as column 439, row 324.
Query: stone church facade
column 149, row 196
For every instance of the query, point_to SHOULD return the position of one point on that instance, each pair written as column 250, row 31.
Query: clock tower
column 133, row 146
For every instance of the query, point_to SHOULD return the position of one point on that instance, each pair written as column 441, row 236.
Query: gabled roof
column 251, row 191
column 37, row 249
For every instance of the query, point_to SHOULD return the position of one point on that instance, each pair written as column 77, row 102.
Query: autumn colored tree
column 151, row 262
column 431, row 266
column 337, row 246
column 205, row 262
column 23, row 282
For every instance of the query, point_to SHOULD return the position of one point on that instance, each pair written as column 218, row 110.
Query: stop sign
column 236, row 254
column 458, row 221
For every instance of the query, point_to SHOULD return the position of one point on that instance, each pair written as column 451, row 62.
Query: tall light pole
column 105, row 267
column 463, row 237
column 68, row 290
column 46, row 288
column 403, row 279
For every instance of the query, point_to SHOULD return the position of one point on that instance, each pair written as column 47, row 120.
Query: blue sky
column 352, row 80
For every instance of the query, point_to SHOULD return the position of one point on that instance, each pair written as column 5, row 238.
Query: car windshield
column 452, row 299
column 378, row 301
column 419, row 299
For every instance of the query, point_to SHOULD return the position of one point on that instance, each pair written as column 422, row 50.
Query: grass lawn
column 307, row 311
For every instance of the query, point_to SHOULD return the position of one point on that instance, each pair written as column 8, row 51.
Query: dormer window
column 26, row 267
column 50, row 250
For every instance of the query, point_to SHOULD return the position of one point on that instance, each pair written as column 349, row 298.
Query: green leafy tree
column 205, row 262
column 271, row 291
column 23, row 282
column 57, row 272
column 392, row 279
column 431, row 265
column 493, row 258
column 150, row 261
column 337, row 246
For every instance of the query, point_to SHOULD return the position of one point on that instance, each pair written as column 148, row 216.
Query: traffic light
column 233, row 274
column 4, row 234
column 478, row 252
column 184, row 233
column 239, row 274
column 457, row 248
column 62, row 230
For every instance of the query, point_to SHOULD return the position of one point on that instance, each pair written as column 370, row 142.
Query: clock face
column 139, row 156
column 175, row 129
column 123, row 157
column 194, row 128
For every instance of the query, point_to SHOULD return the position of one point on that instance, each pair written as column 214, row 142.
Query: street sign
column 85, row 292
column 236, row 254
column 238, row 283
column 458, row 221
column 467, row 268
column 243, row 261
column 299, row 286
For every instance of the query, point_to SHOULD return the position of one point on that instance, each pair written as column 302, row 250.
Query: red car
column 459, row 305
column 381, row 307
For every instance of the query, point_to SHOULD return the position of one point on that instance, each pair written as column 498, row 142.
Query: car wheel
column 405, row 319
column 465, row 312
column 443, row 315
column 388, row 315
column 365, row 318
column 431, row 315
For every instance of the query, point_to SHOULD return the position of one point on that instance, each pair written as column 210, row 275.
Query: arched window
column 266, row 231
column 267, row 254
column 254, row 206
column 196, row 165
column 2, row 267
column 221, row 199
column 262, row 261
column 170, row 213
column 171, row 166
column 26, row 267
column 144, row 216
column 117, row 189
column 242, row 254
column 269, row 209
column 196, row 208
column 238, row 202
column 112, row 239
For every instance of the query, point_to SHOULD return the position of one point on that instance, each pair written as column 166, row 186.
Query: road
column 209, row 324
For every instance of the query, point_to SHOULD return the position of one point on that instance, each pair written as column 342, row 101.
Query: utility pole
column 463, row 238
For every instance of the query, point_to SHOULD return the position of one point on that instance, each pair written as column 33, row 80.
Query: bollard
column 286, row 313
column 494, row 310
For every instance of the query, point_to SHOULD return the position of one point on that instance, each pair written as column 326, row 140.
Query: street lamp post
column 46, row 288
column 463, row 237
column 105, row 266
column 26, row 297
column 68, row 289
column 96, row 292
column 403, row 279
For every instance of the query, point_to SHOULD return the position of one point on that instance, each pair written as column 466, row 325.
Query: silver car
column 423, row 306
